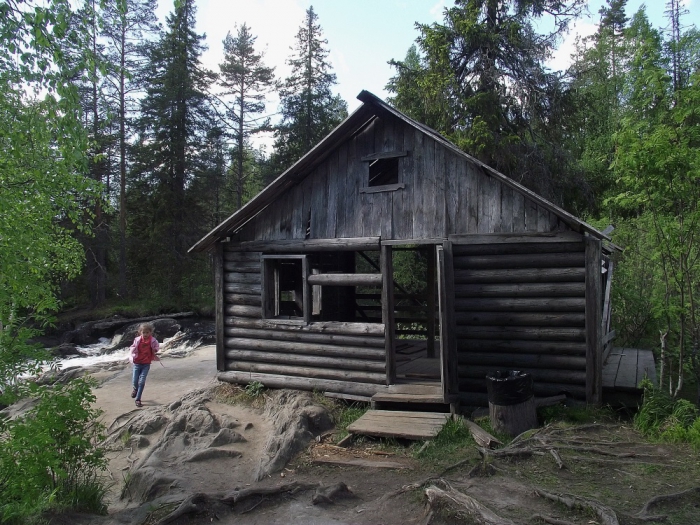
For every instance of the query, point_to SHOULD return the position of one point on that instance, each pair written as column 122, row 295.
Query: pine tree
column 175, row 117
column 247, row 79
column 309, row 108
column 127, row 23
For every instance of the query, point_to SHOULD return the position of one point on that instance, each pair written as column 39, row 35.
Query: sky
column 363, row 35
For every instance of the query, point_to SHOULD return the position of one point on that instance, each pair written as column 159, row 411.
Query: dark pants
column 138, row 378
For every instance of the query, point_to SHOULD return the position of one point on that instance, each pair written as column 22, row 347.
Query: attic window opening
column 383, row 172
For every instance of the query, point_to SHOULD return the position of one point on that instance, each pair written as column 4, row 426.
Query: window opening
column 284, row 287
column 383, row 172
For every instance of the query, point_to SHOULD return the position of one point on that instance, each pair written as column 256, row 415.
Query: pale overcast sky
column 363, row 35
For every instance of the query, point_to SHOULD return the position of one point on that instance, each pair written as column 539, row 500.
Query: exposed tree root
column 199, row 502
column 605, row 513
column 621, row 461
column 465, row 506
column 550, row 520
column 645, row 514
column 328, row 494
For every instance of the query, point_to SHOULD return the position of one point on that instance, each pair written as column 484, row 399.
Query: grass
column 252, row 395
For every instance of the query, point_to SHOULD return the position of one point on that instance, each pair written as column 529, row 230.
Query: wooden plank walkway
column 399, row 424
column 626, row 367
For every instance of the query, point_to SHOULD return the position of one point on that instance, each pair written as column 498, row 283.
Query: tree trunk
column 513, row 419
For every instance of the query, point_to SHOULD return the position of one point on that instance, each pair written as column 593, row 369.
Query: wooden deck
column 399, row 424
column 412, row 362
column 626, row 367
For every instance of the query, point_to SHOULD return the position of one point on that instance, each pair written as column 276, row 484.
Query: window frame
column 270, row 291
column 383, row 157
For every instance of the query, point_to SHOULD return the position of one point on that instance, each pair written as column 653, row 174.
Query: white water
column 98, row 353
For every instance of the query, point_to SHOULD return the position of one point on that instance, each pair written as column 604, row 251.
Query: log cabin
column 304, row 275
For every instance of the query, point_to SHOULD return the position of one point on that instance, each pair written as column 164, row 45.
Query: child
column 143, row 351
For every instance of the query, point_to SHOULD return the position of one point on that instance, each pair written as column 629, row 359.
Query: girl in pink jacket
column 143, row 351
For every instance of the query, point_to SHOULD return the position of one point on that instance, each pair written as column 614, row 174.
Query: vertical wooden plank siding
column 452, row 196
column 474, row 182
column 219, row 305
column 507, row 198
column 332, row 195
column 402, row 203
column 594, row 347
column 387, row 268
column 518, row 212
column 342, row 191
column 418, row 206
column 438, row 218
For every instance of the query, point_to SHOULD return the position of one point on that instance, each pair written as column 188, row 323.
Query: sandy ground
column 164, row 385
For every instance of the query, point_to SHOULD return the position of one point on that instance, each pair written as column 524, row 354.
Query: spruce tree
column 175, row 117
column 247, row 80
column 484, row 79
column 308, row 107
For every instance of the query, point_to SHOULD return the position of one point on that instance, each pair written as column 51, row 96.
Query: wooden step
column 399, row 424
column 387, row 397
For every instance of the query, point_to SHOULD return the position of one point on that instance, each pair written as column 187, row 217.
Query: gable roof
column 372, row 106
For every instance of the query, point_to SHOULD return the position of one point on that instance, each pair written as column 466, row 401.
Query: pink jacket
column 134, row 351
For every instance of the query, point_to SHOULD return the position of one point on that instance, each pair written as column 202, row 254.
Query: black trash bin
column 509, row 387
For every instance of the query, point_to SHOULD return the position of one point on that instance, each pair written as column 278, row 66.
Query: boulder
column 164, row 327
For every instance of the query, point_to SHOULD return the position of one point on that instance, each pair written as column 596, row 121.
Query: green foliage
column 308, row 107
column 50, row 458
column 575, row 415
column 480, row 79
column 254, row 389
column 344, row 415
column 453, row 441
column 667, row 419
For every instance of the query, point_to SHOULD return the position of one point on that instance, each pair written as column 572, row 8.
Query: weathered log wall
column 521, row 306
column 342, row 357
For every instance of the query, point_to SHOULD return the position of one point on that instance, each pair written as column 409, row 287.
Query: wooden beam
column 594, row 347
column 417, row 242
column 326, row 327
column 383, row 188
column 302, row 383
column 387, row 266
column 516, row 238
column 517, row 276
column 384, row 155
column 309, row 245
column 346, row 279
column 219, row 305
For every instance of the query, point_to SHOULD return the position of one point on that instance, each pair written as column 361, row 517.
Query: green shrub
column 254, row 389
column 50, row 458
column 667, row 419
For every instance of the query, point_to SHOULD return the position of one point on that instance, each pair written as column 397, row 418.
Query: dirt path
column 164, row 385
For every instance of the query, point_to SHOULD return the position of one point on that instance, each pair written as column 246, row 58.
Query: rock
column 297, row 420
column 81, row 336
column 226, row 436
column 164, row 327
column 212, row 453
column 65, row 350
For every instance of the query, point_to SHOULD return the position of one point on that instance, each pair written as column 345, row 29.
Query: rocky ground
column 196, row 454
